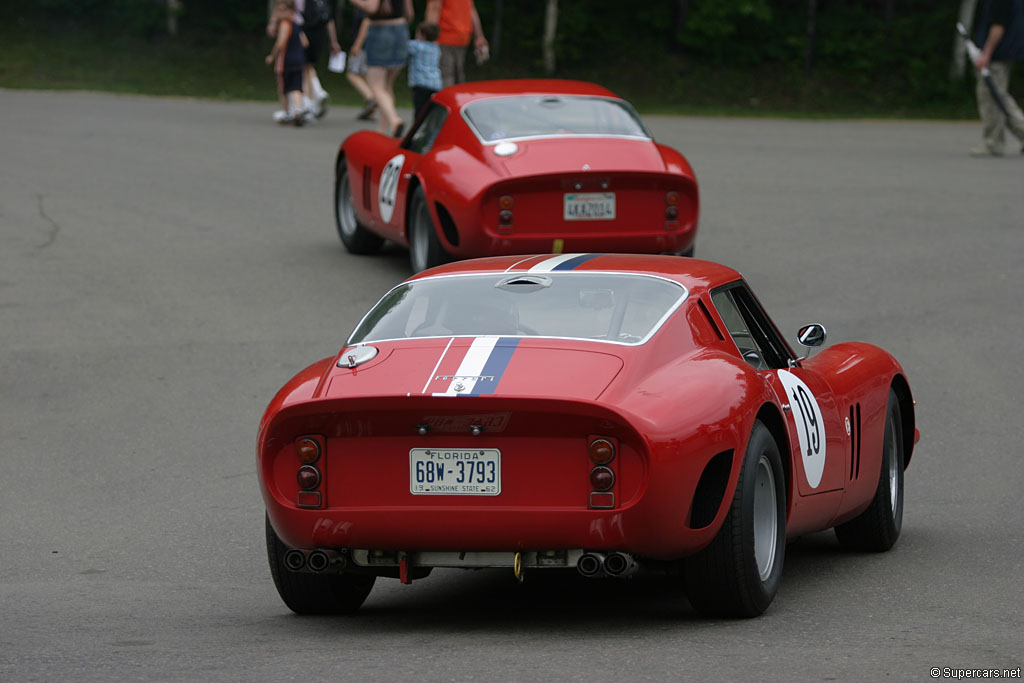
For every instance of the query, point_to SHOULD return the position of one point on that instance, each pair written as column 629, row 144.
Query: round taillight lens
column 602, row 451
column 671, row 212
column 505, row 217
column 602, row 478
column 505, row 202
column 308, row 450
column 308, row 477
column 672, row 198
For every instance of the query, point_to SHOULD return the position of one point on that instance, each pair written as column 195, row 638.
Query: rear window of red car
column 528, row 116
column 621, row 308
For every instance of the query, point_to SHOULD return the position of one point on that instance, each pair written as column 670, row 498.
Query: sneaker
column 281, row 116
column 367, row 113
column 320, row 106
column 983, row 150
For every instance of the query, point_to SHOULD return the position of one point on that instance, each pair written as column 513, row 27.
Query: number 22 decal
column 387, row 191
column 810, row 426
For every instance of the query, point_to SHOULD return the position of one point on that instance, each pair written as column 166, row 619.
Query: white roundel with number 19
column 810, row 426
column 387, row 191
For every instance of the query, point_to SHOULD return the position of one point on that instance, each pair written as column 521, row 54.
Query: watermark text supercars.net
column 960, row 674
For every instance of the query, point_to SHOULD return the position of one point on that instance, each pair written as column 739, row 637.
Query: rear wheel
column 306, row 593
column 877, row 528
column 356, row 238
column 425, row 249
column 738, row 574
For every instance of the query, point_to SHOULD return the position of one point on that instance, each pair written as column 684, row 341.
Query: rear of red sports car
column 517, row 447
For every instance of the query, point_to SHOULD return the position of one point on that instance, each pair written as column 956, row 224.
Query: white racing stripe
column 434, row 371
column 471, row 367
column 547, row 265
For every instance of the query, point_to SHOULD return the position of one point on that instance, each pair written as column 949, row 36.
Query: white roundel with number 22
column 810, row 426
column 387, row 191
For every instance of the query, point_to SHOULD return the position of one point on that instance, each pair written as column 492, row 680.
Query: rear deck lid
column 479, row 366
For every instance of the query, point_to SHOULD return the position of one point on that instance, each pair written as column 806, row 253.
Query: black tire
column 356, row 238
column 425, row 249
column 877, row 528
column 736, row 575
column 306, row 593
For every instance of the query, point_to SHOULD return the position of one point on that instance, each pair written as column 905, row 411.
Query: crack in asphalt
column 54, row 230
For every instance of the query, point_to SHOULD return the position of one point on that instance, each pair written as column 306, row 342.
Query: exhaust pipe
column 620, row 565
column 295, row 560
column 591, row 565
column 326, row 559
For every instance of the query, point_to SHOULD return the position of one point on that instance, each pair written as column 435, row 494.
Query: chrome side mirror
column 811, row 335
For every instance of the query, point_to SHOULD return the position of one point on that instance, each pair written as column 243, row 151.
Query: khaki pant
column 993, row 121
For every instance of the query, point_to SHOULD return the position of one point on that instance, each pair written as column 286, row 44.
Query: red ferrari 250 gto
column 516, row 167
column 596, row 412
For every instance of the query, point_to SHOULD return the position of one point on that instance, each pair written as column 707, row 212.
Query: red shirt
column 456, row 22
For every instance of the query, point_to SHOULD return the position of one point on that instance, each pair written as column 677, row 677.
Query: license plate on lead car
column 455, row 471
column 589, row 206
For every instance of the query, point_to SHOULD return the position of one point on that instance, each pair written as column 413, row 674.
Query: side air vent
column 707, row 499
column 366, row 188
column 451, row 233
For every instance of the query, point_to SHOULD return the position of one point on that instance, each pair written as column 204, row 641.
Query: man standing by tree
column 1001, row 37
column 459, row 24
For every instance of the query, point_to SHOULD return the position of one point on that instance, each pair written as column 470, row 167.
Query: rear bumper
column 655, row 526
column 489, row 242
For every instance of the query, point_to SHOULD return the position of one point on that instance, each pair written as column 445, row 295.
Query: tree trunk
column 174, row 8
column 550, row 25
column 495, row 44
column 812, row 35
column 680, row 13
column 959, row 60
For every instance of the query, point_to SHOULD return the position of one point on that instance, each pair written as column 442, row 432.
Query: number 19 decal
column 810, row 426
column 388, row 189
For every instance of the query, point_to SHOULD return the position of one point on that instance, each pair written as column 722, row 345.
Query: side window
column 750, row 328
column 738, row 329
column 422, row 138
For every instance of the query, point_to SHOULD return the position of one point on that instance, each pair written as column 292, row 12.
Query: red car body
column 517, row 167
column 678, row 405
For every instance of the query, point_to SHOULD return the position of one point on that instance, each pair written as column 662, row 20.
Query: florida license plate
column 455, row 471
column 589, row 206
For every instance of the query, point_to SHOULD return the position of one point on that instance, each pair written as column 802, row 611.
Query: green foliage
column 737, row 55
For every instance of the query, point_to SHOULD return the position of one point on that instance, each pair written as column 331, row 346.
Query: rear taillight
column 505, row 214
column 602, row 451
column 602, row 478
column 603, row 471
column 308, row 477
column 308, row 450
column 671, row 210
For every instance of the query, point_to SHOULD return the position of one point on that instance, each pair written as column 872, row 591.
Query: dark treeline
column 903, row 46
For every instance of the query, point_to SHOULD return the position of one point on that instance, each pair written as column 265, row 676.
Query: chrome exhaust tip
column 295, row 560
column 620, row 565
column 318, row 561
column 590, row 564
column 327, row 560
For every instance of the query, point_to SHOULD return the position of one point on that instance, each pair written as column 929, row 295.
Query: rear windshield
column 503, row 118
column 609, row 307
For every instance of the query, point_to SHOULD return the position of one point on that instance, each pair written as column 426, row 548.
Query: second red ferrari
column 512, row 167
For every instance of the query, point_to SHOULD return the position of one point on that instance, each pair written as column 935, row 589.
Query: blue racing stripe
column 573, row 262
column 495, row 366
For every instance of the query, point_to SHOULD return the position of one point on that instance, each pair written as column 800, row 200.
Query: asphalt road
column 166, row 264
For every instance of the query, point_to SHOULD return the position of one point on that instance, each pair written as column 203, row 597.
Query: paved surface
column 165, row 265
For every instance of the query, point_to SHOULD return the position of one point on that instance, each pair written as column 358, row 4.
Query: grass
column 232, row 68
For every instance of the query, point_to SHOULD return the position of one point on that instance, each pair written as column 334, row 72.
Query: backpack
column 316, row 12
